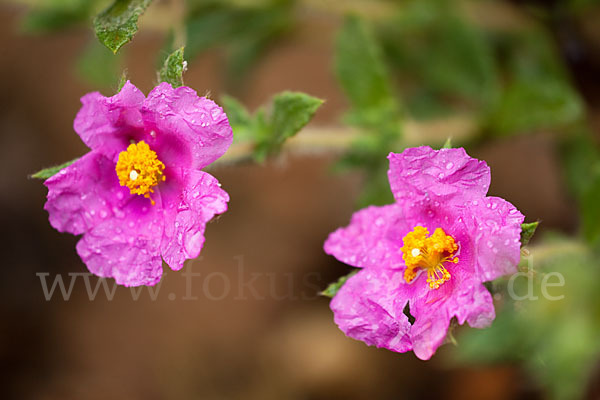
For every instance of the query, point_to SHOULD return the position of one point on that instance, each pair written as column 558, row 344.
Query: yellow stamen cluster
column 429, row 253
column 139, row 169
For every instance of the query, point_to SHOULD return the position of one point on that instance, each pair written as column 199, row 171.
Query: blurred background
column 515, row 82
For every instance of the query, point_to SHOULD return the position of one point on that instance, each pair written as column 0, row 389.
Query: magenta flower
column 139, row 196
column 430, row 250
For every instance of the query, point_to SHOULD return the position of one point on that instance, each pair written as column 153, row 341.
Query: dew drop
column 449, row 165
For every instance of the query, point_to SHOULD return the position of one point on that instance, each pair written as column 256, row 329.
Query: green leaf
column 531, row 105
column 239, row 118
column 581, row 159
column 48, row 172
column 122, row 81
column 117, row 25
column 359, row 66
column 291, row 112
column 447, row 144
column 527, row 231
column 173, row 69
column 333, row 287
column 237, row 114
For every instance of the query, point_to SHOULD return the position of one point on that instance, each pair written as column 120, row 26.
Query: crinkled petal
column 448, row 175
column 107, row 124
column 372, row 239
column 369, row 308
column 194, row 129
column 84, row 194
column 495, row 227
column 126, row 246
column 467, row 300
column 429, row 331
column 186, row 216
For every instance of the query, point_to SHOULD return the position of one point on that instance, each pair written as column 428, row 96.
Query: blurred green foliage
column 375, row 108
column 551, row 326
column 244, row 30
column 444, row 63
column 56, row 15
column 98, row 65
column 422, row 60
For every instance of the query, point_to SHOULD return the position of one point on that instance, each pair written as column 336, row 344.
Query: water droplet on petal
column 449, row 165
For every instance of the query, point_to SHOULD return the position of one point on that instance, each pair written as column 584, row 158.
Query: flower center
column 429, row 253
column 139, row 169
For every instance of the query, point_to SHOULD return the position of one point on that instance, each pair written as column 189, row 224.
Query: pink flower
column 430, row 250
column 139, row 196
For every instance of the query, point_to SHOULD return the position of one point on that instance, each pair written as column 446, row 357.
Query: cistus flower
column 426, row 255
column 139, row 196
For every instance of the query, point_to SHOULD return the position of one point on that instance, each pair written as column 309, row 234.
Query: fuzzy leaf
column 291, row 112
column 527, row 231
column 173, row 69
column 359, row 66
column 241, row 121
column 122, row 81
column 116, row 25
column 51, row 171
column 334, row 287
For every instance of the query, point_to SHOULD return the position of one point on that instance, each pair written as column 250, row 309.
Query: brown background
column 279, row 216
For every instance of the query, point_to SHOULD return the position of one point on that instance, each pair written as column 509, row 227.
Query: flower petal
column 84, row 194
column 467, row 300
column 187, row 214
column 372, row 239
column 127, row 245
column 449, row 175
column 368, row 307
column 201, row 127
column 495, row 226
column 108, row 124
